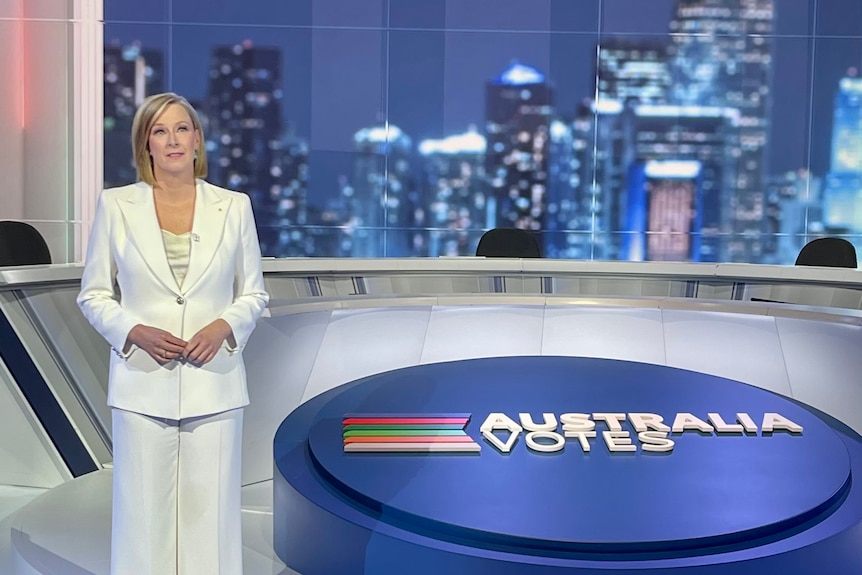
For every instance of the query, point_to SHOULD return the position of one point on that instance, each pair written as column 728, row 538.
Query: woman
column 173, row 282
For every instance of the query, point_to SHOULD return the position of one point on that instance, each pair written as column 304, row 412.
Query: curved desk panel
column 792, row 331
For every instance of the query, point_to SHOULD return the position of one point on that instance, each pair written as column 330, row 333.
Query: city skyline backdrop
column 197, row 26
column 424, row 67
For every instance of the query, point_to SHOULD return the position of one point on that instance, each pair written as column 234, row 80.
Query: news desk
column 791, row 331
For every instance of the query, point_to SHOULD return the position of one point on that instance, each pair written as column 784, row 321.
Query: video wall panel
column 395, row 128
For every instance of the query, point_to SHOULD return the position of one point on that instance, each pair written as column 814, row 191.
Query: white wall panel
column 10, row 8
column 47, row 165
column 11, row 112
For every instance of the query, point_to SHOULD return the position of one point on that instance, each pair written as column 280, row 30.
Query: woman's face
column 172, row 143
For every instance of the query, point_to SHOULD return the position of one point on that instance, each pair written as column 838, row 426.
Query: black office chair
column 828, row 252
column 21, row 244
column 508, row 243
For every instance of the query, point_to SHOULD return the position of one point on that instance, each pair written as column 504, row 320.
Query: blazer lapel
column 211, row 208
column 139, row 211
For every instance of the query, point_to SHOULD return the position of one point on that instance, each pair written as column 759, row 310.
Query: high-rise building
column 454, row 212
column 244, row 143
column 570, row 223
column 630, row 136
column 701, row 134
column 287, row 204
column 842, row 202
column 842, row 197
column 633, row 69
column 613, row 157
column 721, row 57
column 847, row 125
column 630, row 72
column 131, row 73
column 518, row 110
column 794, row 211
column 330, row 221
column 379, row 213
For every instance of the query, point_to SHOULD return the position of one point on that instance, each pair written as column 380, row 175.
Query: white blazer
column 127, row 281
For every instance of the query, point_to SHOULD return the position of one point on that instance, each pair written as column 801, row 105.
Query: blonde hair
column 148, row 112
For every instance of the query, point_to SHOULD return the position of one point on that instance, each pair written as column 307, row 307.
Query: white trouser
column 176, row 506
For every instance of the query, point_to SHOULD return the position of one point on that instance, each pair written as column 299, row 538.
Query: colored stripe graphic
column 405, row 421
column 407, row 433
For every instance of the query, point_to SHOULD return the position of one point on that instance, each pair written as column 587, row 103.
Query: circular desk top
column 486, row 455
column 709, row 489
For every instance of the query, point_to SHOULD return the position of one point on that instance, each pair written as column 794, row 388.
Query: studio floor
column 66, row 530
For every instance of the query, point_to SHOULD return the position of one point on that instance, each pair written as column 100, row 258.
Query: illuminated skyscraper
column 794, row 210
column 379, row 214
column 843, row 193
column 628, row 137
column 244, row 107
column 455, row 193
column 131, row 74
column 245, row 132
column 701, row 134
column 286, row 205
column 571, row 223
column 721, row 57
column 518, row 109
column 592, row 208
column 633, row 69
column 847, row 126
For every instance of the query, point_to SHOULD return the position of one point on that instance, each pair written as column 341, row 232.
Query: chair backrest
column 21, row 244
column 828, row 252
column 508, row 243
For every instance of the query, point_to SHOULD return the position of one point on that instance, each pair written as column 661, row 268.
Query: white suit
column 177, row 427
column 223, row 281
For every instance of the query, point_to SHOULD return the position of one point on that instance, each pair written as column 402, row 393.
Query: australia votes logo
column 446, row 432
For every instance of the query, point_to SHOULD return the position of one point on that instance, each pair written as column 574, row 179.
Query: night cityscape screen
column 671, row 130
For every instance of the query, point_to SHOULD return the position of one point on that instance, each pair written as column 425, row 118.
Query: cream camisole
column 178, row 248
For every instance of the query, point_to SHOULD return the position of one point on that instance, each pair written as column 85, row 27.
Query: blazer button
column 180, row 300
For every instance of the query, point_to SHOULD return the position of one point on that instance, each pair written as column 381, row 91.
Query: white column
column 87, row 117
